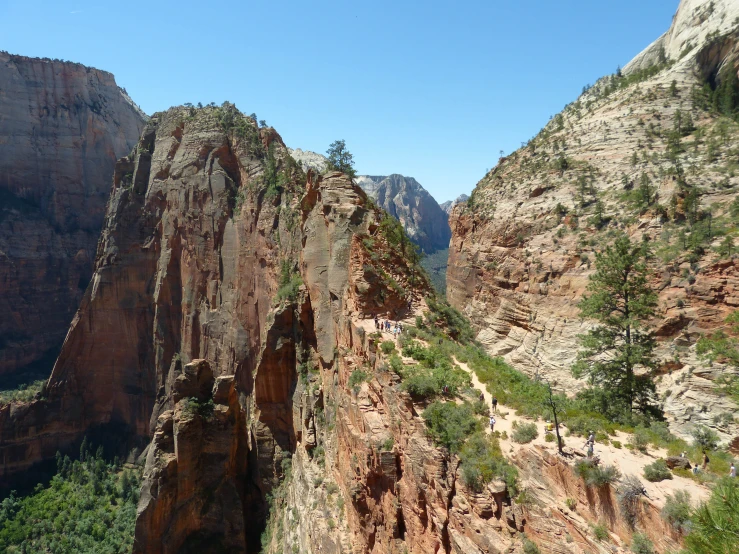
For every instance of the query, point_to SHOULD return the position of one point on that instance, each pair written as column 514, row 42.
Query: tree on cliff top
column 340, row 159
column 621, row 300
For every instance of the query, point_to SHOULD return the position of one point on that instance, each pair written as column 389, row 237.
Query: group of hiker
column 389, row 327
column 495, row 410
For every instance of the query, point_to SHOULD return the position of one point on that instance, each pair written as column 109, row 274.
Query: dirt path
column 627, row 461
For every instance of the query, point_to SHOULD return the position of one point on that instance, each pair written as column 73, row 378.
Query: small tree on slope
column 621, row 300
column 340, row 159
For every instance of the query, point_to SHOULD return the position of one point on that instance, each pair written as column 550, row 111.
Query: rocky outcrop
column 62, row 127
column 405, row 199
column 309, row 160
column 523, row 246
column 449, row 205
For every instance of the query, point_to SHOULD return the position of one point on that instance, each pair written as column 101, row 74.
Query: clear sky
column 429, row 89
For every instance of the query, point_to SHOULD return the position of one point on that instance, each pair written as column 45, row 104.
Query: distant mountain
column 402, row 197
column 405, row 199
column 309, row 160
column 448, row 206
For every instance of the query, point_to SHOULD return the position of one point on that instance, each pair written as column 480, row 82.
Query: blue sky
column 429, row 89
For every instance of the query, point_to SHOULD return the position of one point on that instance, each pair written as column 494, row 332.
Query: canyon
column 523, row 246
column 226, row 347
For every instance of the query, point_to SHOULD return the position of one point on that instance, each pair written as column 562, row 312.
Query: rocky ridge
column 62, row 127
column 449, row 205
column 624, row 157
column 402, row 197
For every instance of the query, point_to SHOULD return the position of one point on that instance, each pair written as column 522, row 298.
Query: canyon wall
column 62, row 128
column 523, row 246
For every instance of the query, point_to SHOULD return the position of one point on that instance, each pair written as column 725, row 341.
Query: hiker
column 732, row 470
column 695, row 470
column 591, row 437
column 495, row 404
column 482, row 397
column 705, row 460
column 377, row 324
column 590, row 449
column 492, row 424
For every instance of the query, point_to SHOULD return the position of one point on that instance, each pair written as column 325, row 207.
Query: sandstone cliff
column 631, row 154
column 62, row 127
column 402, row 197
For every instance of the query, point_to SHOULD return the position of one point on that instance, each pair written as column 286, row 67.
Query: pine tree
column 715, row 524
column 621, row 301
column 340, row 159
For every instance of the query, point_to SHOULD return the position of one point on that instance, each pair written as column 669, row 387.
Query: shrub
column 705, row 438
column 482, row 461
column 616, row 444
column 600, row 532
column 525, row 433
column 715, row 526
column 640, row 544
column 596, row 476
column 549, row 437
column 192, row 407
column 387, row 347
column 530, row 547
column 629, row 497
column 676, row 511
column 657, row 471
column 356, row 379
column 450, row 424
column 571, row 503
column 640, row 439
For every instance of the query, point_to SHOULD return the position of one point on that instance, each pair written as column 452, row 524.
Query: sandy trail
column 627, row 461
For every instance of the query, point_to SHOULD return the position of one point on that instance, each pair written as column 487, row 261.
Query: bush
column 192, row 407
column 676, row 511
column 639, row 440
column 524, row 433
column 616, row 444
column 356, row 379
column 640, row 544
column 571, row 503
column 596, row 476
column 600, row 532
column 549, row 437
column 450, row 424
column 705, row 438
column 530, row 547
column 715, row 525
column 483, row 461
column 657, row 471
column 387, row 347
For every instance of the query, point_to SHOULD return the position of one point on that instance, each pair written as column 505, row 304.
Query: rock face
column 523, row 246
column 62, row 127
column 449, row 205
column 402, row 197
column 405, row 199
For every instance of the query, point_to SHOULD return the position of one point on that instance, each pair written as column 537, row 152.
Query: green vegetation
column 524, row 433
column 435, row 265
column 621, row 301
column 450, row 424
column 356, row 379
column 387, row 347
column 530, row 547
column 88, row 507
column 677, row 510
column 600, row 532
column 723, row 347
column 723, row 98
column 715, row 524
column 340, row 159
column 290, row 282
column 483, row 461
column 640, row 544
column 657, row 471
column 193, row 407
column 24, row 392
column 434, row 371
column 595, row 475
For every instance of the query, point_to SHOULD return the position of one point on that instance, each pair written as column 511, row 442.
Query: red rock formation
column 62, row 127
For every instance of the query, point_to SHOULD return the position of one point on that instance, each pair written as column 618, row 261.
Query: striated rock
column 406, row 200
column 62, row 127
column 523, row 246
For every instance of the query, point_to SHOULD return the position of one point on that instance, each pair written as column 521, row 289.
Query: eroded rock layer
column 62, row 128
column 630, row 155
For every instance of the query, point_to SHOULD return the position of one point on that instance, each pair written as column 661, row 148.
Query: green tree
column 620, row 299
column 715, row 524
column 726, row 249
column 340, row 159
column 723, row 346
